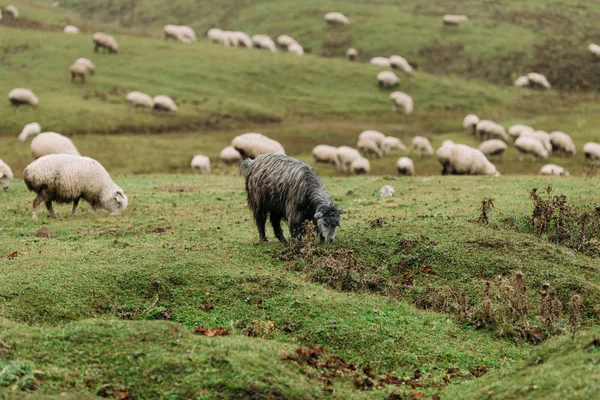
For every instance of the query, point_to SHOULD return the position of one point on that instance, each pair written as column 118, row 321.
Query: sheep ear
column 319, row 215
column 119, row 197
column 343, row 212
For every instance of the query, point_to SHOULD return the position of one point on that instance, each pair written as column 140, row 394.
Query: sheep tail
column 245, row 166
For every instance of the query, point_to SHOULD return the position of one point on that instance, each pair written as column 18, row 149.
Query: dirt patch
column 24, row 23
column 44, row 232
column 99, row 231
column 177, row 188
column 159, row 229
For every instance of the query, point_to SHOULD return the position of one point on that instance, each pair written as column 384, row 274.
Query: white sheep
column 375, row 136
column 493, row 147
column 516, row 130
column 387, row 79
column 390, row 144
column 521, row 82
column 201, row 164
column 382, row 62
column 71, row 29
column 252, row 145
column 295, row 48
column 405, row 166
column 345, row 157
column 325, row 154
column 78, row 70
column 454, row 20
column 368, row 147
column 264, row 42
column 188, row 33
column 402, row 102
column 532, row 146
column 52, row 143
column 422, row 146
column 360, row 166
column 553, row 170
column 443, row 156
column 562, row 143
column 238, row 39
column 594, row 49
column 180, row 33
column 285, row 40
column 470, row 123
column 20, row 96
column 88, row 63
column 351, row 53
column 486, row 130
column 30, row 130
column 336, row 18
column 6, row 175
column 538, row 80
column 465, row 160
column 216, row 35
column 164, row 103
column 592, row 152
column 12, row 11
column 139, row 99
column 542, row 136
column 387, row 191
column 66, row 178
column 397, row 62
column 105, row 41
column 230, row 156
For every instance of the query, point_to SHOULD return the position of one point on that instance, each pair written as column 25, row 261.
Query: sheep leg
column 75, row 203
column 296, row 231
column 36, row 204
column 261, row 219
column 50, row 209
column 96, row 48
column 276, row 222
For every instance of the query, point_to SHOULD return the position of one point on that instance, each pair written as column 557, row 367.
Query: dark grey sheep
column 288, row 189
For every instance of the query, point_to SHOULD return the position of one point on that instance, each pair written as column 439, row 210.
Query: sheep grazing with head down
column 360, row 166
column 422, row 146
column 201, row 164
column 387, row 79
column 516, row 130
column 562, row 143
column 382, row 62
column 252, row 145
column 375, row 136
column 443, row 156
column 164, row 103
column 390, row 144
column 30, row 130
column 105, row 41
column 64, row 178
column 368, row 147
column 594, row 49
column 532, row 146
column 264, row 42
column 538, row 81
column 20, row 97
column 405, row 166
column 285, row 40
column 454, row 20
column 553, row 170
column 71, row 29
column 287, row 189
column 486, row 130
column 12, row 11
column 325, row 154
column 6, row 175
column 345, row 157
column 88, row 64
column 78, row 70
column 230, row 156
column 465, row 160
column 402, row 102
column 336, row 18
column 592, row 153
column 139, row 99
column 52, row 143
column 542, row 136
column 470, row 123
column 216, row 35
column 351, row 53
column 400, row 63
column 295, row 48
column 493, row 147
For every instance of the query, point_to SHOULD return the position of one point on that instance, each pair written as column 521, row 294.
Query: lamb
column 522, row 82
column 594, row 49
column 30, row 130
column 290, row 190
column 465, row 160
column 470, row 123
column 264, row 42
column 336, row 18
column 405, row 166
column 493, row 147
column 139, row 99
column 230, row 156
column 325, row 154
column 201, row 164
column 368, row 147
column 397, row 62
column 285, row 40
column 6, row 175
column 71, row 29
column 19, row 97
column 105, row 41
column 351, row 53
column 164, row 103
column 387, row 79
column 422, row 146
column 454, row 20
column 386, row 191
column 252, row 145
column 402, row 102
column 380, row 62
column 592, row 153
column 88, row 63
column 486, row 130
column 538, row 80
column 12, row 11
column 553, row 170
column 345, row 157
column 360, row 166
column 52, row 143
column 391, row 143
column 295, row 48
column 443, row 156
column 516, row 130
column 78, row 71
column 530, row 145
column 64, row 178
column 542, row 136
column 375, row 136
column 562, row 143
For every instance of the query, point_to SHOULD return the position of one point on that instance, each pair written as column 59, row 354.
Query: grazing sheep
column 180, row 33
column 241, row 39
column 530, row 145
column 230, row 156
column 66, row 178
column 592, row 153
column 422, row 146
column 368, row 147
column 285, row 40
column 522, row 82
column 380, row 62
column 454, row 20
column 562, row 143
column 360, row 166
column 295, row 48
column 493, row 147
column 387, row 191
column 345, row 157
column 397, row 62
column 252, row 145
column 78, row 71
column 164, row 103
column 71, row 29
column 216, row 35
column 264, row 42
column 542, row 136
column 88, row 63
column 402, row 102
column 52, row 143
column 594, row 49
column 105, row 41
column 375, row 136
column 391, row 143
column 387, row 79
column 12, row 11
column 538, row 80
column 405, row 166
column 470, row 123
column 201, row 164
column 486, row 130
column 19, row 97
column 351, row 53
column 554, row 170
column 6, row 175
column 30, row 130
column 465, row 160
column 290, row 190
column 336, row 18
column 139, row 99
column 325, row 154
column 443, row 156
column 516, row 130
column 188, row 33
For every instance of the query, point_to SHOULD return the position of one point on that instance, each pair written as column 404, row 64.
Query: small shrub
column 550, row 308
column 487, row 204
column 575, row 306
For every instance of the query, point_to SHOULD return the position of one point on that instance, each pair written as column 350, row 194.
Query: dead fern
column 487, row 204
